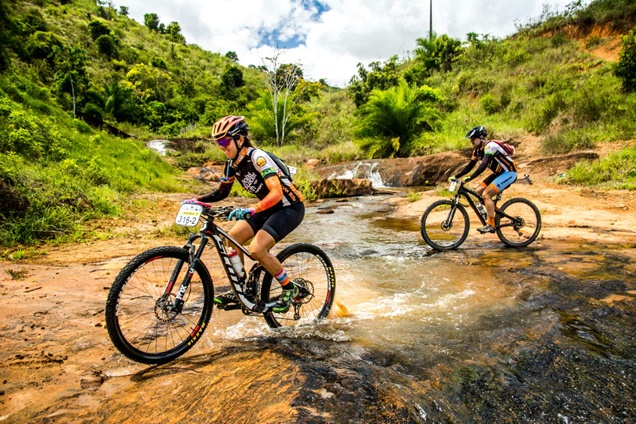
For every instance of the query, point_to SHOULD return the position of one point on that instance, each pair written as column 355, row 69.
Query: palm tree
column 392, row 119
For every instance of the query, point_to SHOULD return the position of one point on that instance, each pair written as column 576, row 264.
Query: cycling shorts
column 278, row 221
column 500, row 181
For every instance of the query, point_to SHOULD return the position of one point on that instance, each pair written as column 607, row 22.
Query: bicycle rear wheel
column 441, row 228
column 311, row 270
column 523, row 226
column 140, row 317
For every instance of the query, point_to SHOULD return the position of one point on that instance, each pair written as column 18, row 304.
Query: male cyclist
column 280, row 208
column 492, row 155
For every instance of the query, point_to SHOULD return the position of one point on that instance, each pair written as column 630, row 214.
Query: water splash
column 364, row 170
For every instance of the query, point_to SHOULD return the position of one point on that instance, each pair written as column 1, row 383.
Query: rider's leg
column 241, row 232
column 260, row 247
column 503, row 181
column 276, row 228
column 489, row 193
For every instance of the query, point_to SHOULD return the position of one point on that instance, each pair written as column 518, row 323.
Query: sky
column 328, row 38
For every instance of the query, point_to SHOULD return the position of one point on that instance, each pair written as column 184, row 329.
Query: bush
column 28, row 135
column 41, row 45
column 97, row 29
column 106, row 45
column 626, row 68
column 617, row 171
column 490, row 105
column 392, row 119
column 567, row 141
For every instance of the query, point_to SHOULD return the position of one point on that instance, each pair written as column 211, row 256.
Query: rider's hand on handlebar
column 189, row 201
column 241, row 213
column 466, row 179
column 452, row 178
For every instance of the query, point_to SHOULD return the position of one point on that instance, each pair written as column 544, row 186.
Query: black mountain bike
column 162, row 300
column 445, row 223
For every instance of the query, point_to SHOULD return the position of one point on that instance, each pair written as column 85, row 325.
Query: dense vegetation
column 82, row 86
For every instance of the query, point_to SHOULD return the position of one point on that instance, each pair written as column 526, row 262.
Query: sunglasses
column 225, row 141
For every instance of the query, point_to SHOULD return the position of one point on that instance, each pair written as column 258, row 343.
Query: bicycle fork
column 176, row 306
column 448, row 223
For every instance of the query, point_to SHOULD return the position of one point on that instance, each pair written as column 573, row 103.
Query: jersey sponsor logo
column 251, row 183
column 261, row 161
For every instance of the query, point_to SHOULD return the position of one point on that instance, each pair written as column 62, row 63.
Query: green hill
column 82, row 86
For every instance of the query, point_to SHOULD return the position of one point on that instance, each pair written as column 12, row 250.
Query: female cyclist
column 280, row 208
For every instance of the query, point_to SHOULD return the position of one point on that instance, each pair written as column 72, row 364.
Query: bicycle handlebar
column 222, row 211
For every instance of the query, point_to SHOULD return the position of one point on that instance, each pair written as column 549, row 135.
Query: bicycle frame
column 466, row 193
column 209, row 230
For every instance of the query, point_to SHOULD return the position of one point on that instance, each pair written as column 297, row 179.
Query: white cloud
column 347, row 33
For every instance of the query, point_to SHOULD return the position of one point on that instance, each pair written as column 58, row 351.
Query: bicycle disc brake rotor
column 305, row 291
column 519, row 223
column 164, row 308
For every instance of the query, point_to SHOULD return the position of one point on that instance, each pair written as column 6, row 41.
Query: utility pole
column 430, row 15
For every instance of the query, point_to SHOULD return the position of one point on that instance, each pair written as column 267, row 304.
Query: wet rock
column 312, row 163
column 404, row 172
column 342, row 187
column 205, row 174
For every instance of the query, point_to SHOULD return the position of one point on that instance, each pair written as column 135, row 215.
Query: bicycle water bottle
column 236, row 262
column 482, row 211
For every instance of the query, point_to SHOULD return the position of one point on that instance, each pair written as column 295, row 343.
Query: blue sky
column 328, row 38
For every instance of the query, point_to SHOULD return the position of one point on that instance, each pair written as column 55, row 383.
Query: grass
column 413, row 196
column 17, row 274
column 616, row 171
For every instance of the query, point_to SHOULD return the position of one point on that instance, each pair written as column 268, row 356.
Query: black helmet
column 477, row 132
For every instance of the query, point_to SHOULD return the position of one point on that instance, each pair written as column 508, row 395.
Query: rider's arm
column 268, row 170
column 482, row 166
column 467, row 168
column 224, row 188
column 274, row 196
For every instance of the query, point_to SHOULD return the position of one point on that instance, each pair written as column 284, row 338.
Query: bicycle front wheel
column 442, row 227
column 518, row 222
column 143, row 320
column 311, row 270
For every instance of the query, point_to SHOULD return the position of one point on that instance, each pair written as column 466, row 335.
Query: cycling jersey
column 252, row 168
column 493, row 157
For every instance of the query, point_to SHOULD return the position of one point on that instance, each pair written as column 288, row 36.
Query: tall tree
column 173, row 31
column 282, row 80
column 70, row 71
column 151, row 20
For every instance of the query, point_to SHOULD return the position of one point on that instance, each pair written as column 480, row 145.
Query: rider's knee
column 258, row 250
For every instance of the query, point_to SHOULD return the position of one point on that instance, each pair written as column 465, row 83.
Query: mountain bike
column 445, row 223
column 161, row 302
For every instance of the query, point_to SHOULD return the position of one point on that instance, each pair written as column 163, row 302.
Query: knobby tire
column 526, row 225
column 310, row 267
column 442, row 227
column 138, row 322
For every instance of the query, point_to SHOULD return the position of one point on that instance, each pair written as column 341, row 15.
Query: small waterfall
column 363, row 170
column 159, row 146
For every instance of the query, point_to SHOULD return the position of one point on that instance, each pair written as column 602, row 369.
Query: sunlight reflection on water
column 388, row 283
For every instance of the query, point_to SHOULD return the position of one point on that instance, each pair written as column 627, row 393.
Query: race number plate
column 453, row 186
column 188, row 215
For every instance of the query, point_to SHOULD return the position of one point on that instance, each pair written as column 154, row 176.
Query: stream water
column 481, row 334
